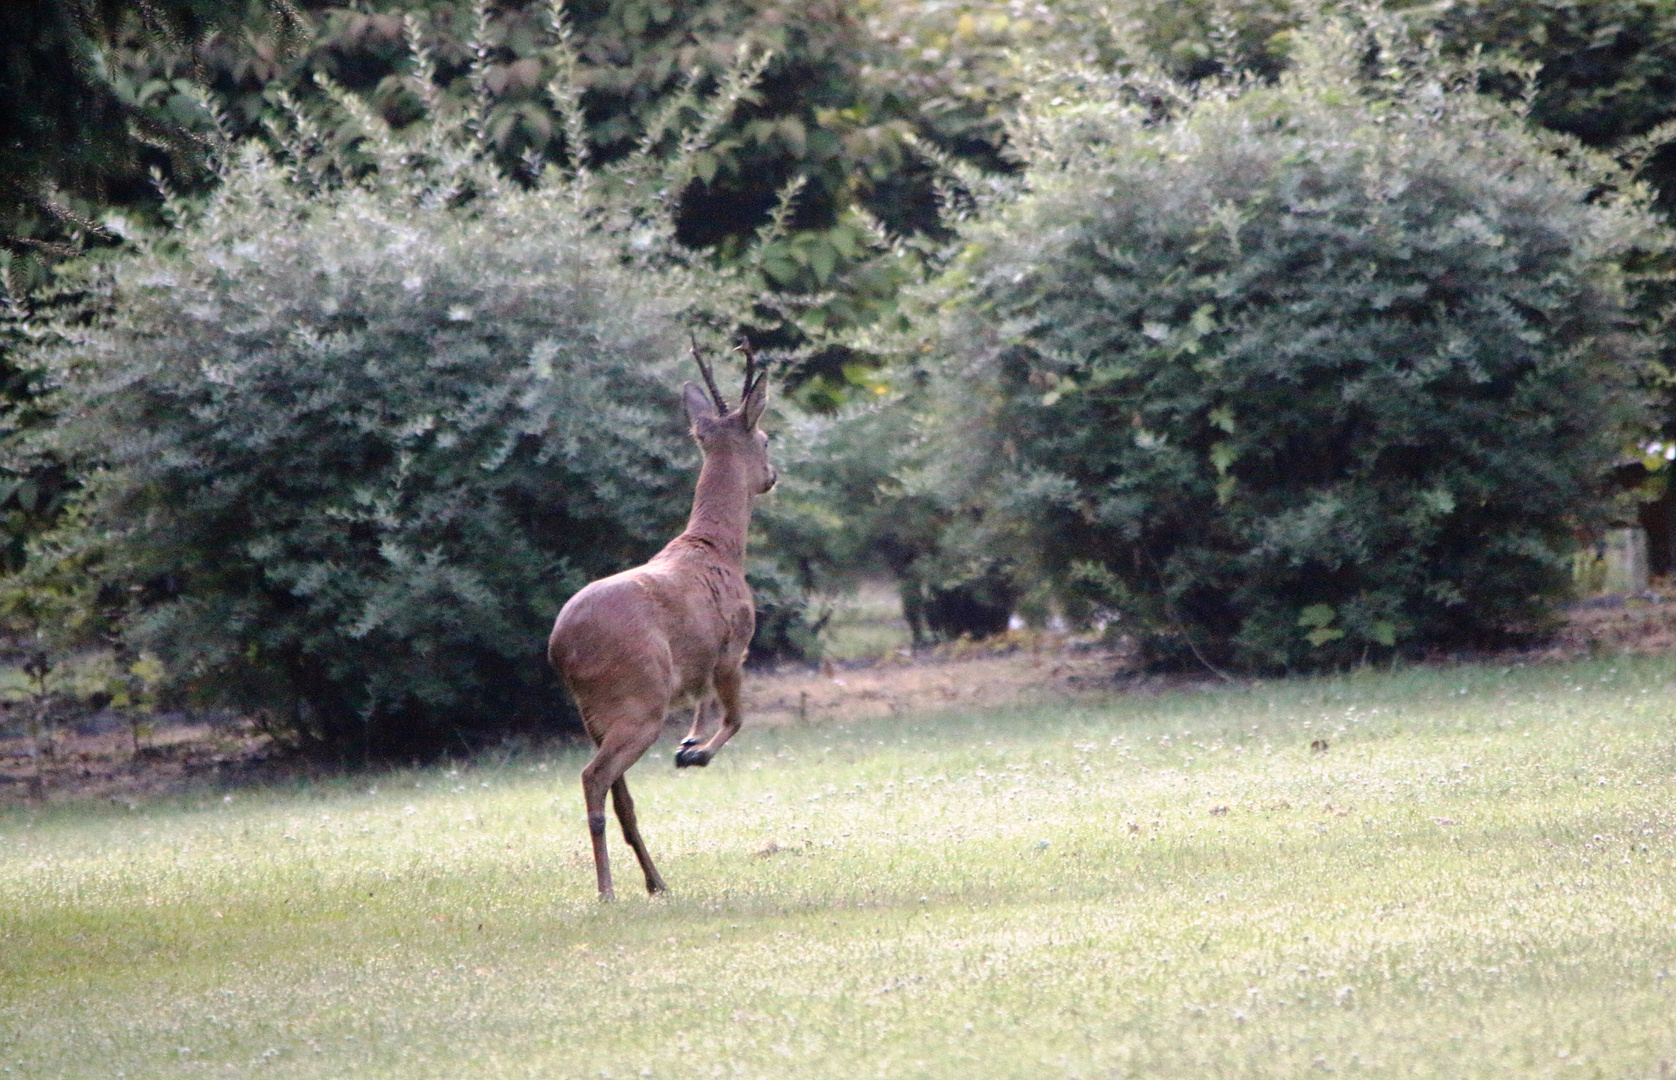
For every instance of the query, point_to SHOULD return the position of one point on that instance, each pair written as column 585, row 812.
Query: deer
column 632, row 647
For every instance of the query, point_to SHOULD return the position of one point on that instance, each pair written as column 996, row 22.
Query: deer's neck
column 721, row 512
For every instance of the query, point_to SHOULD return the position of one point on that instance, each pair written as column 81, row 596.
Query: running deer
column 632, row 646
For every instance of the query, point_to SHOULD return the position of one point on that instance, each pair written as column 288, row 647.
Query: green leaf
column 823, row 259
column 1384, row 633
column 1320, row 637
column 1223, row 455
column 780, row 269
column 845, row 240
column 1105, row 373
column 1317, row 615
column 794, row 135
column 536, row 122
column 501, row 126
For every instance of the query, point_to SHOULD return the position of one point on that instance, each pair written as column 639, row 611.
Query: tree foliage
column 349, row 437
column 1292, row 373
column 829, row 109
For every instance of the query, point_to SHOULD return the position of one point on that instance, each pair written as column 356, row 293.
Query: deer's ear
column 700, row 409
column 751, row 411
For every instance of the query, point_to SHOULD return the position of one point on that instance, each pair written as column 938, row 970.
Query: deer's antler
column 752, row 375
column 709, row 379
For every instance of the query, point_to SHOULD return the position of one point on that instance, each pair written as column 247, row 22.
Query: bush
column 348, row 444
column 1292, row 374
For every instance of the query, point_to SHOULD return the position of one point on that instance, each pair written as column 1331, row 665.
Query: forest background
column 868, row 191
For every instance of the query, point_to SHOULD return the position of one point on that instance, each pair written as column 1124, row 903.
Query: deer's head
column 732, row 433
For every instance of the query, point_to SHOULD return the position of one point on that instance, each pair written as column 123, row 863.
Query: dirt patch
column 98, row 760
column 1015, row 669
column 1642, row 624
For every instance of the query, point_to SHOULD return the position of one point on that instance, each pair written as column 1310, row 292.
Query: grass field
column 1475, row 879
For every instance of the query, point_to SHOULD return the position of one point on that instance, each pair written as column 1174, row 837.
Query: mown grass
column 1474, row 880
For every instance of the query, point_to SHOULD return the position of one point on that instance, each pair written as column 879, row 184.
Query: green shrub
column 1291, row 374
column 348, row 444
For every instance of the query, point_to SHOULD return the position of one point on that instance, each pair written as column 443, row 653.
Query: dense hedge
column 347, row 446
column 1292, row 374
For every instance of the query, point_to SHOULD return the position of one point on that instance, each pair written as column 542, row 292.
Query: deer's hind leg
column 622, row 739
column 624, row 805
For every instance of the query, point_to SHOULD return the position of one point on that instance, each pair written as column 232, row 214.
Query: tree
column 827, row 109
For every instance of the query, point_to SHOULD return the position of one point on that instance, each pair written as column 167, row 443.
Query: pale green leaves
column 1317, row 620
column 1222, row 457
column 1184, row 338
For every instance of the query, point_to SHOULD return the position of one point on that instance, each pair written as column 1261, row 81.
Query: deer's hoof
column 684, row 758
column 689, row 742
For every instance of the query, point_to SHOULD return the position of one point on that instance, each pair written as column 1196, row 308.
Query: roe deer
column 634, row 645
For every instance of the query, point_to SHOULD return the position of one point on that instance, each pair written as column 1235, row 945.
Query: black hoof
column 684, row 758
column 689, row 742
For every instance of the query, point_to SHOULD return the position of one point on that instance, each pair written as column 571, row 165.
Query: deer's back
column 659, row 629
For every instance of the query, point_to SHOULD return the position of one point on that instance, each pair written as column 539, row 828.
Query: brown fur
column 634, row 645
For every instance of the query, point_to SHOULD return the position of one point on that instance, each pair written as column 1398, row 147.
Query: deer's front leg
column 689, row 754
column 729, row 682
column 695, row 734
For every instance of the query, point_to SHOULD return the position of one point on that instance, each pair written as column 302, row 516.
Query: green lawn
column 1476, row 879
